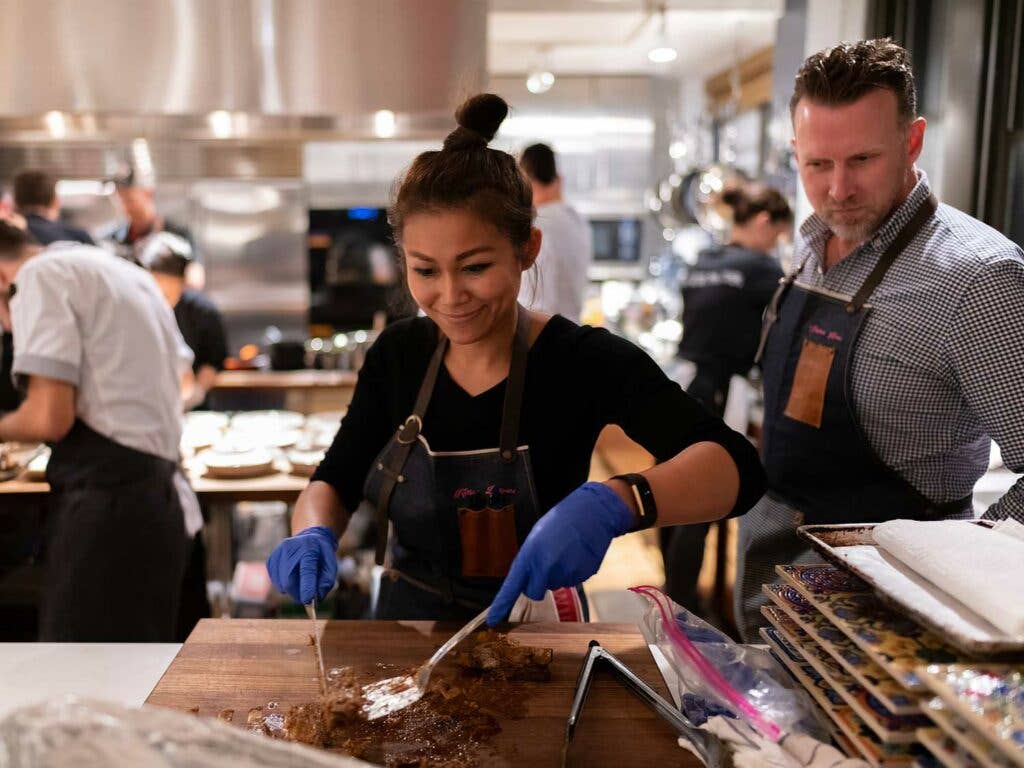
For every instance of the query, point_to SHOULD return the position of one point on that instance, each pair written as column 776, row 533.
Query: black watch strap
column 644, row 499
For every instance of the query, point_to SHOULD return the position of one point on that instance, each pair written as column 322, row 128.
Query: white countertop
column 124, row 673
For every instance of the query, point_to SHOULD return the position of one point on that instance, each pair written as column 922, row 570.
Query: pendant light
column 663, row 52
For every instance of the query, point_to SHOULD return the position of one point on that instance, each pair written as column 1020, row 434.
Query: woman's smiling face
column 463, row 272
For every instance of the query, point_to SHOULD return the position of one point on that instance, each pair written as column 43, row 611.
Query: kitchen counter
column 124, row 673
column 241, row 663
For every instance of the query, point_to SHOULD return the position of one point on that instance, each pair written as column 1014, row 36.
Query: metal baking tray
column 826, row 539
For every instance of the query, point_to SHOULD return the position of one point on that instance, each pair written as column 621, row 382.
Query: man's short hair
column 34, row 189
column 843, row 74
column 12, row 240
column 538, row 161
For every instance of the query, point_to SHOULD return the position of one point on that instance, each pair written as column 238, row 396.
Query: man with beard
column 894, row 351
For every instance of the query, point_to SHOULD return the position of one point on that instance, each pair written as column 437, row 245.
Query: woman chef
column 497, row 411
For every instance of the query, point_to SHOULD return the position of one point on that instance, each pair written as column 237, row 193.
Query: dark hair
column 841, row 75
column 538, row 162
column 748, row 200
column 166, row 254
column 465, row 173
column 34, row 188
column 13, row 241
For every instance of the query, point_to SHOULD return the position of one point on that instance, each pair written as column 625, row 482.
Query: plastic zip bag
column 720, row 677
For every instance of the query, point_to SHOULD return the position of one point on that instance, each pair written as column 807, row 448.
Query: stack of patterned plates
column 874, row 672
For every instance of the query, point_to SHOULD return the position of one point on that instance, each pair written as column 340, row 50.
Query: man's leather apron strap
column 908, row 233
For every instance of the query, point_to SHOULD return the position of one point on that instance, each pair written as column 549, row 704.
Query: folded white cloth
column 981, row 568
column 1010, row 528
column 752, row 750
column 190, row 510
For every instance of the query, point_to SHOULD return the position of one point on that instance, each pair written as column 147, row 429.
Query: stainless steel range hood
column 234, row 72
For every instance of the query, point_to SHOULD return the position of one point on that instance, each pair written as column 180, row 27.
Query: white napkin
column 981, row 568
column 190, row 511
column 752, row 750
column 1010, row 528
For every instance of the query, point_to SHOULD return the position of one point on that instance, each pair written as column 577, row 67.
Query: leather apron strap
column 901, row 241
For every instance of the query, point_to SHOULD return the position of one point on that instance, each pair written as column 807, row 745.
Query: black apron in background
column 116, row 545
column 10, row 398
column 459, row 517
column 821, row 468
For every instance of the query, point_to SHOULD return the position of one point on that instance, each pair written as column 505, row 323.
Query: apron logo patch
column 817, row 330
column 489, row 492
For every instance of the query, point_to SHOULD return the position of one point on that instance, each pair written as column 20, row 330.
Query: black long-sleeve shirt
column 578, row 380
column 724, row 296
column 202, row 327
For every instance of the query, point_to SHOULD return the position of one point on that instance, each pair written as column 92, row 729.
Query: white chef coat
column 82, row 316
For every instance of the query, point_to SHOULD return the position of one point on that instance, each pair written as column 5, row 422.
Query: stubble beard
column 854, row 233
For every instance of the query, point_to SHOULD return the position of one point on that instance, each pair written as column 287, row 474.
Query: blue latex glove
column 565, row 547
column 305, row 565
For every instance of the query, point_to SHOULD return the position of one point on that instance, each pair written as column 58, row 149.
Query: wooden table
column 218, row 495
column 284, row 379
column 307, row 391
column 279, row 486
column 238, row 664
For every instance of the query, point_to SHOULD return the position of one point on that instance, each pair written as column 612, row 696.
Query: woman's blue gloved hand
column 306, row 564
column 565, row 547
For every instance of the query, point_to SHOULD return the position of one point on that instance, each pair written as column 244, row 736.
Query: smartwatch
column 644, row 499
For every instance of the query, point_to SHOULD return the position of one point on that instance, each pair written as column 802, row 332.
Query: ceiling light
column 663, row 52
column 540, row 81
column 384, row 123
column 220, row 123
column 56, row 124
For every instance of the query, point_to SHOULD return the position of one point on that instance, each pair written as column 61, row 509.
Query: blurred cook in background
column 726, row 291
column 35, row 198
column 135, row 192
column 566, row 247
column 724, row 296
column 169, row 258
column 101, row 361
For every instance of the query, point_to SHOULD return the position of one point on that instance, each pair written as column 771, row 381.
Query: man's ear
column 915, row 139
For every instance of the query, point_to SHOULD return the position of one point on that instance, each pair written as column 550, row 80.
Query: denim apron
column 115, row 547
column 820, row 466
column 459, row 517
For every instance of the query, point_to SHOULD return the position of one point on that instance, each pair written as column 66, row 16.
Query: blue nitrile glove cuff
column 620, row 518
column 565, row 547
column 305, row 565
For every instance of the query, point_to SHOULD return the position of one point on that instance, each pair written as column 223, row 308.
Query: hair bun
column 733, row 196
column 479, row 118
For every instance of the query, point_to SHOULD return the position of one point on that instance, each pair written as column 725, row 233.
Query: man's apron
column 116, row 546
column 820, row 466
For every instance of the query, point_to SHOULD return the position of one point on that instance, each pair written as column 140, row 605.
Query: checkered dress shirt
column 939, row 366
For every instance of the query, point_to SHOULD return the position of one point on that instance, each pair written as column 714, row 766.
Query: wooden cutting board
column 240, row 663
